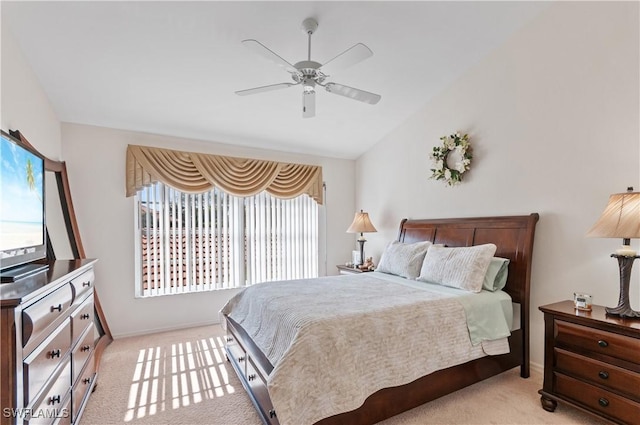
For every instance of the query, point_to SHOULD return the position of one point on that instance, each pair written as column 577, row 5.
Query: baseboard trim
column 166, row 329
column 536, row 367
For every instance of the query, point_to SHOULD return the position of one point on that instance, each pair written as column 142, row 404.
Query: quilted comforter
column 333, row 341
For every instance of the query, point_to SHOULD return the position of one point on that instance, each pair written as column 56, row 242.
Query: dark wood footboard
column 514, row 237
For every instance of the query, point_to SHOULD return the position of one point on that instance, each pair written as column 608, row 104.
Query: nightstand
column 350, row 270
column 592, row 362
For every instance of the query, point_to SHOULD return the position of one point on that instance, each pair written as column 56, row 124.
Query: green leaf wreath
column 441, row 170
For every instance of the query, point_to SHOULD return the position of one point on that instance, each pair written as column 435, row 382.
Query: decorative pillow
column 403, row 259
column 460, row 267
column 496, row 277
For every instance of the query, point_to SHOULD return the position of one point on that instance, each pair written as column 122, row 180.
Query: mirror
column 68, row 245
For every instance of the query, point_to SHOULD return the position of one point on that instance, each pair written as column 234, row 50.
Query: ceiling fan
column 310, row 74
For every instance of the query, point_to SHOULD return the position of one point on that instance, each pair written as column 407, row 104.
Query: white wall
column 553, row 117
column 96, row 164
column 26, row 107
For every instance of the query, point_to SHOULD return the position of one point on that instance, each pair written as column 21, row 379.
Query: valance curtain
column 196, row 173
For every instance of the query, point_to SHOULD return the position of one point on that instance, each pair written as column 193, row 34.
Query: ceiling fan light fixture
column 309, row 85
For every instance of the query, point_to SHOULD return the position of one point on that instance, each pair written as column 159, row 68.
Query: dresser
column 591, row 362
column 48, row 336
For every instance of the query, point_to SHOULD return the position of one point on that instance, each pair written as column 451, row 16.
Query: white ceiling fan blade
column 350, row 92
column 308, row 104
column 349, row 57
column 265, row 88
column 267, row 53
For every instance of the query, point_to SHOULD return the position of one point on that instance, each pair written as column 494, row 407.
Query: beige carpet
column 182, row 377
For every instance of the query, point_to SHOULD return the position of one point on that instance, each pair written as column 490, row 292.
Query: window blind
column 198, row 242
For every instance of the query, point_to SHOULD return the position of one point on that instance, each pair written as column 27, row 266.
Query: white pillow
column 403, row 259
column 460, row 267
column 496, row 277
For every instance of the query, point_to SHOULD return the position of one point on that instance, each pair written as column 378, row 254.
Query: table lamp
column 621, row 219
column 361, row 224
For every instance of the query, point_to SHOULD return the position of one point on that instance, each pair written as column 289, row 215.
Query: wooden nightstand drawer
column 607, row 403
column 612, row 377
column 598, row 341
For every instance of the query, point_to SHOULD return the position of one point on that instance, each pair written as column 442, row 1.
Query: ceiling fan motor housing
column 309, row 26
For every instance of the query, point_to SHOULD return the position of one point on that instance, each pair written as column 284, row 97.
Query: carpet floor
column 182, row 377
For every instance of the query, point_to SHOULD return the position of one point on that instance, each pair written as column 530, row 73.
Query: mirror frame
column 59, row 168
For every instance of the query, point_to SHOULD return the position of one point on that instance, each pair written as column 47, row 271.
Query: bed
column 513, row 237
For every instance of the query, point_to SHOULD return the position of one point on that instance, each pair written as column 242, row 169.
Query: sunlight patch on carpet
column 177, row 376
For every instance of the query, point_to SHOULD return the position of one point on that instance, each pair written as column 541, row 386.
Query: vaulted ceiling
column 172, row 68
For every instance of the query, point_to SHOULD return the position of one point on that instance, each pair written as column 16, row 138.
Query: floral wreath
column 442, row 171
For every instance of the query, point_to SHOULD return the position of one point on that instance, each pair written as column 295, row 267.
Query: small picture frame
column 582, row 301
column 355, row 258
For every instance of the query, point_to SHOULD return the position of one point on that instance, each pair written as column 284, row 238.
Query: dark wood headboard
column 513, row 235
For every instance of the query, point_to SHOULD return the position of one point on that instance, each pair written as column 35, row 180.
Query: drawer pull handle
column 54, row 308
column 54, row 399
column 241, row 358
column 84, row 316
column 252, row 377
column 55, row 353
column 87, row 283
column 604, row 375
column 86, row 380
column 602, row 343
column 272, row 413
column 85, row 348
column 603, row 402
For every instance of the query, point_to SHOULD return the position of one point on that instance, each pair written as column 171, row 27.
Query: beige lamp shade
column 361, row 224
column 620, row 219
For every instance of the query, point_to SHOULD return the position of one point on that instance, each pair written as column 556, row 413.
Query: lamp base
column 361, row 243
column 623, row 309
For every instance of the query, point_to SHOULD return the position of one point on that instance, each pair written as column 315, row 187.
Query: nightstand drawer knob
column 604, row 375
column 603, row 402
column 602, row 343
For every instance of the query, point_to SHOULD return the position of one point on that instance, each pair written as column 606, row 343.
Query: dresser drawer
column 54, row 404
column 39, row 315
column 617, row 379
column 596, row 399
column 82, row 351
column 598, row 341
column 64, row 418
column 41, row 363
column 81, row 389
column 81, row 285
column 81, row 318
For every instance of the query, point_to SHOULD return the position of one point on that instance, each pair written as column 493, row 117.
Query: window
column 213, row 240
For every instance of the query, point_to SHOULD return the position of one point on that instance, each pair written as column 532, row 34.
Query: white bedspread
column 336, row 340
